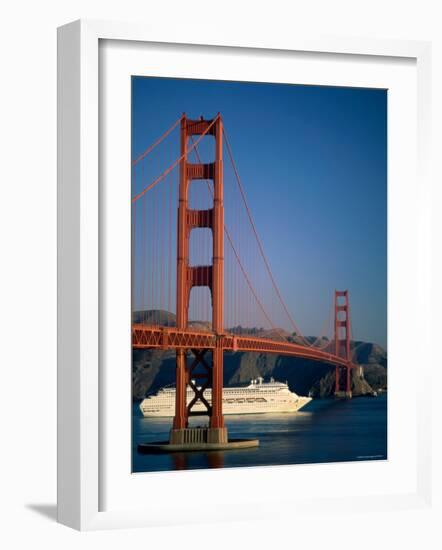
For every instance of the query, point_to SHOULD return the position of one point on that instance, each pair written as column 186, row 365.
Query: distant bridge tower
column 211, row 276
column 342, row 343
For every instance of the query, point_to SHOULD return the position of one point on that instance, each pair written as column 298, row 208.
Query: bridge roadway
column 157, row 337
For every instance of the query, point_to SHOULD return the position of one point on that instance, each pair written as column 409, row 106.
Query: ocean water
column 325, row 430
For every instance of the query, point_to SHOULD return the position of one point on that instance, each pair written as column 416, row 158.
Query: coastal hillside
column 151, row 370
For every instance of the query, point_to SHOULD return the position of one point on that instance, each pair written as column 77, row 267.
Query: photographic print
column 259, row 274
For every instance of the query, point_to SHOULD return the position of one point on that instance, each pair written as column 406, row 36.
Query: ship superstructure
column 256, row 397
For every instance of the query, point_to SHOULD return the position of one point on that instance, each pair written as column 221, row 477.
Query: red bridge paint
column 211, row 276
column 184, row 339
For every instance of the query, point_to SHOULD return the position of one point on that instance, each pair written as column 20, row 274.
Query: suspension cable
column 261, row 249
column 157, row 142
column 174, row 164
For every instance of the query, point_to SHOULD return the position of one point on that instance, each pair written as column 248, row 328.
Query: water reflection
column 181, row 461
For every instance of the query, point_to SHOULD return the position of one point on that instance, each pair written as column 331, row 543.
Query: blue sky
column 313, row 161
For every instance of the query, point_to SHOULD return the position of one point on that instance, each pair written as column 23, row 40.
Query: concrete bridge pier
column 343, row 394
column 190, row 436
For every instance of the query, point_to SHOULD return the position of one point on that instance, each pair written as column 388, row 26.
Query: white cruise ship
column 257, row 397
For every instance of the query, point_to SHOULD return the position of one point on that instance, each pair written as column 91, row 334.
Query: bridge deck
column 155, row 337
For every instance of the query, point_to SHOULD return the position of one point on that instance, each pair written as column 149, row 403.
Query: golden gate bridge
column 208, row 265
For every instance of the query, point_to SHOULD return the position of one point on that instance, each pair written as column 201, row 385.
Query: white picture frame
column 79, row 292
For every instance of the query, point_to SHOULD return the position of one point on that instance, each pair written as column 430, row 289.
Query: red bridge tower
column 200, row 374
column 342, row 343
